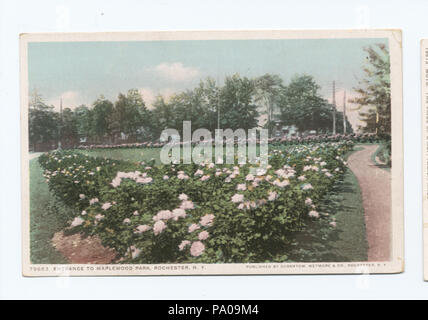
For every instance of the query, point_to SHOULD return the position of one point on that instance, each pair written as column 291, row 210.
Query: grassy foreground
column 45, row 219
column 347, row 243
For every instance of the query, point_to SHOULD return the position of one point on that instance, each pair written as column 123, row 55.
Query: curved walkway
column 375, row 184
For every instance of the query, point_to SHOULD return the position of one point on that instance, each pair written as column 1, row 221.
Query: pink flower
column 179, row 213
column 83, row 213
column 302, row 178
column 307, row 186
column 241, row 186
column 158, row 227
column 249, row 177
column 92, row 201
column 333, row 224
column 99, row 217
column 199, row 172
column 187, row 204
column 183, row 197
column 281, row 184
column 207, row 220
column 182, row 176
column 144, row 180
column 308, row 201
column 193, row 227
column 183, row 244
column 82, row 196
column 197, row 248
column 126, row 220
column 135, row 213
column 237, row 198
column 116, row 182
column 142, row 228
column 77, row 222
column 106, row 206
column 203, row 235
column 314, row 214
column 163, row 215
column 204, row 178
column 272, row 196
column 165, row 177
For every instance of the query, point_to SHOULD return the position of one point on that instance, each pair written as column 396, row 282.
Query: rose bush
column 197, row 213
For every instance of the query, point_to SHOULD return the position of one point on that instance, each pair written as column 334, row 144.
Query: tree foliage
column 302, row 105
column 374, row 91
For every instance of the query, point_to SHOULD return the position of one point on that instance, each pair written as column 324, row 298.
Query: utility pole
column 344, row 112
column 218, row 107
column 334, row 107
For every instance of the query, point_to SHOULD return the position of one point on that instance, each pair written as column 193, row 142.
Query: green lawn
column 346, row 243
column 127, row 154
column 45, row 219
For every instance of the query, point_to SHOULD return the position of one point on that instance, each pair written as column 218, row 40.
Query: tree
column 84, row 121
column 268, row 88
column 237, row 104
column 375, row 91
column 42, row 122
column 302, row 106
column 130, row 113
column 102, row 118
column 68, row 133
column 163, row 116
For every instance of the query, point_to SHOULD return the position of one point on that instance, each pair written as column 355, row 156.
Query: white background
column 125, row 15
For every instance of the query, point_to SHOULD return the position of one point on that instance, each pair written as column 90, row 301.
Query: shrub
column 197, row 213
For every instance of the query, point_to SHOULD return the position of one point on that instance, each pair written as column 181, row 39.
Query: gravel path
column 375, row 184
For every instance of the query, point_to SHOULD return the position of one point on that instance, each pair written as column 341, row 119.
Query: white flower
column 237, row 198
column 77, row 222
column 106, row 205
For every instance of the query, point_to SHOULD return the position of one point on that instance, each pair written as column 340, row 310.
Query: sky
column 79, row 72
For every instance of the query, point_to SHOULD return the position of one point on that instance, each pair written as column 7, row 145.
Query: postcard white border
column 396, row 264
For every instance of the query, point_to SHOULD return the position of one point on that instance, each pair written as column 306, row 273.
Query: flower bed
column 354, row 137
column 197, row 213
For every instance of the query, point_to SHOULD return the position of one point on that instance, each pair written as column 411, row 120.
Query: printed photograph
column 212, row 149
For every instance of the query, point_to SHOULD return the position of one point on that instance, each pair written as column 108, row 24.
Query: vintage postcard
column 424, row 87
column 220, row 152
